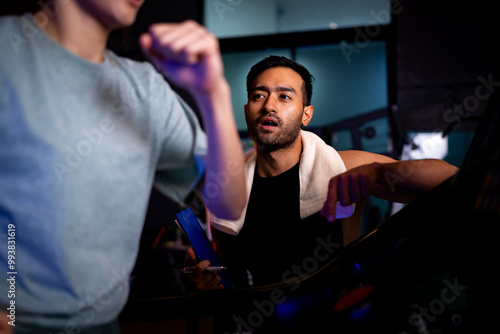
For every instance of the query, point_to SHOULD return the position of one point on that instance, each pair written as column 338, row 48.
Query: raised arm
column 382, row 177
column 189, row 55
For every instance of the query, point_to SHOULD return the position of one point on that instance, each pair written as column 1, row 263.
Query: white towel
column 319, row 163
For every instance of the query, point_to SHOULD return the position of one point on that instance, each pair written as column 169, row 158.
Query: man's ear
column 245, row 108
column 307, row 115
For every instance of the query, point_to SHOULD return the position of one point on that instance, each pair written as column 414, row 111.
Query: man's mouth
column 268, row 123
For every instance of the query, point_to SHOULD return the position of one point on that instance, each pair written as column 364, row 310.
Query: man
column 84, row 135
column 295, row 180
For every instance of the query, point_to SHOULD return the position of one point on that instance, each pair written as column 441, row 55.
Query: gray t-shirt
column 81, row 145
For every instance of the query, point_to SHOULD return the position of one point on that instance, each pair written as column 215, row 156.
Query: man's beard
column 282, row 138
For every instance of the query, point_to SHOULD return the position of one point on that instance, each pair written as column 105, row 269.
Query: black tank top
column 274, row 243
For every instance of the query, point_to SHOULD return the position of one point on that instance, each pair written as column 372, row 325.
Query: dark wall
column 125, row 41
column 444, row 48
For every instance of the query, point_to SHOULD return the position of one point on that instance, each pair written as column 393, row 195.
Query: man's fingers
column 354, row 191
column 346, row 189
column 192, row 255
column 212, row 281
column 364, row 185
column 328, row 209
column 343, row 190
column 203, row 280
column 200, row 267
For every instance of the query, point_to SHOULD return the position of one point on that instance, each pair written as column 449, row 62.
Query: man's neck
column 76, row 31
column 276, row 162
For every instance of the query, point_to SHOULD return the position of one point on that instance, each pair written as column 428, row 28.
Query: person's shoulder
column 131, row 65
column 140, row 73
column 8, row 19
column 9, row 25
column 355, row 158
column 15, row 34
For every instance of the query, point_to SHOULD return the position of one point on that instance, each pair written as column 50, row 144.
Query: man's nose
column 270, row 105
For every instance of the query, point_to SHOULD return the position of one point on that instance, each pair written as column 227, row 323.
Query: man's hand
column 399, row 181
column 203, row 280
column 186, row 53
column 350, row 187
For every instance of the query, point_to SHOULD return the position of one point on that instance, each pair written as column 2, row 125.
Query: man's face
column 275, row 109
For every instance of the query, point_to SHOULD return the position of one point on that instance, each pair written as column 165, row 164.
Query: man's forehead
column 278, row 76
column 277, row 88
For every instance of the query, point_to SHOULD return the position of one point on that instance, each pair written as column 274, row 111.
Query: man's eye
column 285, row 97
column 258, row 96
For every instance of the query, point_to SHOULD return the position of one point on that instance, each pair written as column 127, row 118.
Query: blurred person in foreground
column 84, row 135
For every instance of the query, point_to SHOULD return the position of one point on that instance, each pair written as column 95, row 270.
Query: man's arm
column 383, row 177
column 189, row 55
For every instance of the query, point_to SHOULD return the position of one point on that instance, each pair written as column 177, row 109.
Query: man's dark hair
column 279, row 61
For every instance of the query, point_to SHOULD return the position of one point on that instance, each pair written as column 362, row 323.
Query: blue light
column 297, row 305
column 361, row 314
column 287, row 309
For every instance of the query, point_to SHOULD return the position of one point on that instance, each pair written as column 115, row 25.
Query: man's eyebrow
column 278, row 89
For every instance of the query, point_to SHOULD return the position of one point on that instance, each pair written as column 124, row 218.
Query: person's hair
column 279, row 61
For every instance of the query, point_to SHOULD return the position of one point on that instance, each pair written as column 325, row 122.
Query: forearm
column 376, row 175
column 224, row 188
column 189, row 55
column 403, row 181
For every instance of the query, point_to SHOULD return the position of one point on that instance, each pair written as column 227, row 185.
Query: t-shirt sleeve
column 183, row 148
